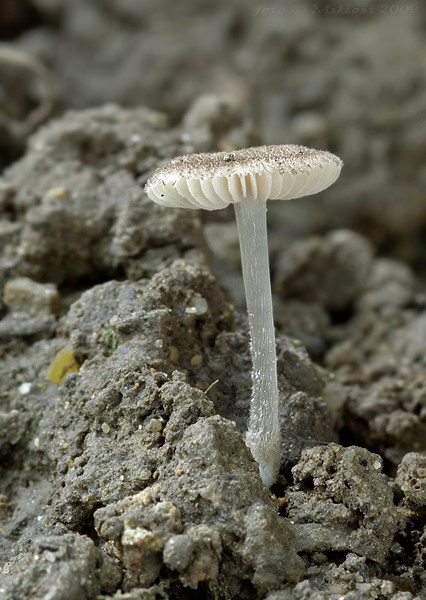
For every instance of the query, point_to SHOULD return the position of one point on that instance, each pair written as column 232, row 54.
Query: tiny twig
column 211, row 385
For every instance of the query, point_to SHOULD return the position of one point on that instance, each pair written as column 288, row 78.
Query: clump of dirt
column 127, row 475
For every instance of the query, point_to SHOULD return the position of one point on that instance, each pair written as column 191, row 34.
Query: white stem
column 263, row 434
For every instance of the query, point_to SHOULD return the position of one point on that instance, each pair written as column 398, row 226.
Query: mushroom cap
column 212, row 181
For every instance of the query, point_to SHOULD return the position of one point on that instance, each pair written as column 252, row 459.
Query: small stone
column 198, row 306
column 173, row 354
column 57, row 193
column 155, row 425
column 50, row 557
column 196, row 360
column 145, row 474
column 25, row 388
column 177, row 552
column 23, row 295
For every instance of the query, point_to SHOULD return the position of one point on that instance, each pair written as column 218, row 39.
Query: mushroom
column 247, row 178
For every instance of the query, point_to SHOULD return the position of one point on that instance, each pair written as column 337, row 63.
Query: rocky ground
column 124, row 362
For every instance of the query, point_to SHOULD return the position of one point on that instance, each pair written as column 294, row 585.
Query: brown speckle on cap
column 213, row 180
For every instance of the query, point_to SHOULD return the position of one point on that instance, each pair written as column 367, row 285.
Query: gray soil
column 130, row 478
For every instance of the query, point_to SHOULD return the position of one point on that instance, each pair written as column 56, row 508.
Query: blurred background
column 347, row 75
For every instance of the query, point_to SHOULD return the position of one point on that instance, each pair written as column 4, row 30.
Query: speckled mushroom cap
column 212, row 181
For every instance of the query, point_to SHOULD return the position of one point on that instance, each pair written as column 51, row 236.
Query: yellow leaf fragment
column 62, row 365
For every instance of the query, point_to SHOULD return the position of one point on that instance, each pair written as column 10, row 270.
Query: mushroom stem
column 263, row 434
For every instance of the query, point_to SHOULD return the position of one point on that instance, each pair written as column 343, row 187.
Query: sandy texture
column 124, row 352
column 128, row 462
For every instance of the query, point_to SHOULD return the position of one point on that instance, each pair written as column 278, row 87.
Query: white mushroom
column 247, row 178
